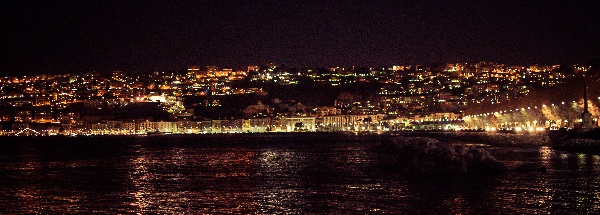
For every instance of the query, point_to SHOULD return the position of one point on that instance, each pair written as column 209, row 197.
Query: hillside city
column 269, row 98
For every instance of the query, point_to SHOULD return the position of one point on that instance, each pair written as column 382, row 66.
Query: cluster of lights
column 511, row 110
column 517, row 129
column 530, row 128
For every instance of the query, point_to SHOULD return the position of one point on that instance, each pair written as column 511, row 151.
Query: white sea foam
column 581, row 143
column 427, row 155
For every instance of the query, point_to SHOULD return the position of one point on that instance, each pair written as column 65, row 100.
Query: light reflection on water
column 281, row 178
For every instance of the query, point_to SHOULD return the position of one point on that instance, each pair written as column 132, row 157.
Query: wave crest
column 428, row 156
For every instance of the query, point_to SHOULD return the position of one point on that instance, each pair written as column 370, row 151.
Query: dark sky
column 75, row 36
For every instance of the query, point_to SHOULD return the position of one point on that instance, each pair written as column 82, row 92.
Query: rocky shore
column 577, row 140
column 423, row 155
column 498, row 139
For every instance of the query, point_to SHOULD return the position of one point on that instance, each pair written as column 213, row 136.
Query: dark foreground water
column 274, row 176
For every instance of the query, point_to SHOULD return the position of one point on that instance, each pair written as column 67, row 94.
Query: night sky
column 78, row 36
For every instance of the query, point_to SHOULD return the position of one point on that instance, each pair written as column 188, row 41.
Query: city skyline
column 51, row 37
column 271, row 99
column 299, row 107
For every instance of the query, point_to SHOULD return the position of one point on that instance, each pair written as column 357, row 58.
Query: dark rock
column 423, row 155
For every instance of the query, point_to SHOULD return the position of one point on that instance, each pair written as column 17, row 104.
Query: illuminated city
column 410, row 97
column 299, row 107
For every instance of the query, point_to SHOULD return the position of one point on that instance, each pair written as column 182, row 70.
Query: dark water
column 149, row 175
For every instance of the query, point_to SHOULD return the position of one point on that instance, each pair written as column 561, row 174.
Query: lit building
column 300, row 124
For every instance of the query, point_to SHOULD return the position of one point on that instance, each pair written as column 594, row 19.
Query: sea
column 277, row 174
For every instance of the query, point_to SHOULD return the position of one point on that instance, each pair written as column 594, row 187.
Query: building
column 189, row 127
column 300, row 124
column 327, row 111
column 165, row 127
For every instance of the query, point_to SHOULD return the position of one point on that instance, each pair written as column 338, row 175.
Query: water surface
column 275, row 176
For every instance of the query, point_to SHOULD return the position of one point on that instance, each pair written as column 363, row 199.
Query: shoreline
column 442, row 136
column 567, row 140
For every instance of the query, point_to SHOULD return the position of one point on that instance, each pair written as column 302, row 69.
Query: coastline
column 307, row 137
column 584, row 141
column 573, row 140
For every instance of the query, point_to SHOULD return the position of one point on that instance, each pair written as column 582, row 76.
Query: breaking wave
column 423, row 155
